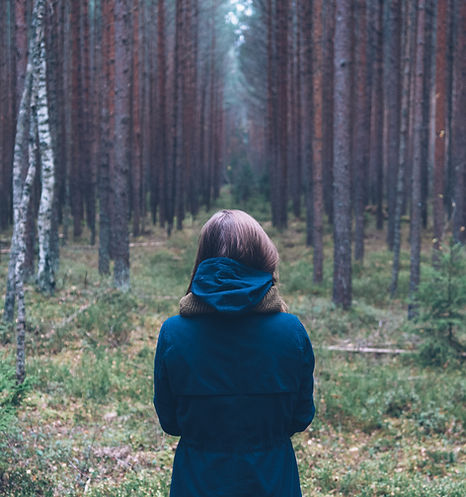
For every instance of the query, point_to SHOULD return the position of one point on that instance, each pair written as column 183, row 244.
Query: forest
column 340, row 125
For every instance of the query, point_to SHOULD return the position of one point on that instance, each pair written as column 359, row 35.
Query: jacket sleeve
column 164, row 400
column 304, row 409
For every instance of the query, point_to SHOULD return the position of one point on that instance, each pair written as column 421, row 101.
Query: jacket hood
column 230, row 286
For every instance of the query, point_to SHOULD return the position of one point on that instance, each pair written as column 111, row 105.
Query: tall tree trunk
column 327, row 106
column 440, row 125
column 376, row 155
column 20, row 237
column 76, row 124
column 122, row 143
column 317, row 165
column 361, row 128
column 162, row 163
column 46, row 266
column 416, row 221
column 272, row 107
column 86, row 121
column 282, row 9
column 342, row 156
column 136, row 145
column 459, row 126
column 106, row 93
column 299, row 117
column 27, row 110
column 409, row 35
column 22, row 126
column 392, row 99
column 68, row 114
column 426, row 159
column 305, row 15
column 175, row 176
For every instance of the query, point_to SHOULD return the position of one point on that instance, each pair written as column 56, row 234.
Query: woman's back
column 235, row 385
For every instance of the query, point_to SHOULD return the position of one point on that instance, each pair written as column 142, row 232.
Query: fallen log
column 367, row 350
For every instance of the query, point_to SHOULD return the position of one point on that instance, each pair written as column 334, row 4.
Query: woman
column 234, row 372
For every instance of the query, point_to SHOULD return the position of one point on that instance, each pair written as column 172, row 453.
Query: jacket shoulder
column 289, row 323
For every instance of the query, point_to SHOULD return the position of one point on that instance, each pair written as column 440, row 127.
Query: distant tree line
column 359, row 106
column 352, row 107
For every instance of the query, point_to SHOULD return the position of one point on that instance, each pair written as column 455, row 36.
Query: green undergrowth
column 84, row 424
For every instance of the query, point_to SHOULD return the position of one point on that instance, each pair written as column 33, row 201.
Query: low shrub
column 441, row 307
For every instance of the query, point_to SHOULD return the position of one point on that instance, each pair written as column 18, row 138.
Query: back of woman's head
column 237, row 235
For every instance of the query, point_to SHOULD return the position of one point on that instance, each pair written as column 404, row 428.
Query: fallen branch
column 94, row 248
column 73, row 316
column 367, row 350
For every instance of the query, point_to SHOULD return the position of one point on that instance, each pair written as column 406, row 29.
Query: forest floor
column 386, row 425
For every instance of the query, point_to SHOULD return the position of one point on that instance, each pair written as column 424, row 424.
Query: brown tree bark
column 327, row 105
column 177, row 187
column 408, row 42
column 76, row 118
column 136, row 134
column 122, row 143
column 376, row 152
column 282, row 13
column 440, row 125
column 86, row 121
column 342, row 155
column 317, row 164
column 458, row 143
column 106, row 85
column 162, row 163
column 429, row 83
column 392, row 102
column 272, row 133
column 416, row 220
column 361, row 128
column 305, row 13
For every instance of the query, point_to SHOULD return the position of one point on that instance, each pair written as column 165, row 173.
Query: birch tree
column 23, row 190
column 21, row 244
column 21, row 137
column 45, row 273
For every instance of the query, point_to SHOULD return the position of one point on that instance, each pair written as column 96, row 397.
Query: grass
column 84, row 423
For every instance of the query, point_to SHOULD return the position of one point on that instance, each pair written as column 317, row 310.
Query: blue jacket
column 235, row 384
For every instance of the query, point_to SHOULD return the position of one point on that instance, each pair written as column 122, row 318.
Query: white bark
column 18, row 161
column 23, row 190
column 21, row 248
column 45, row 274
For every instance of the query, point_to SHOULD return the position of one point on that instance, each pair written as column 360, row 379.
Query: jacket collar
column 190, row 305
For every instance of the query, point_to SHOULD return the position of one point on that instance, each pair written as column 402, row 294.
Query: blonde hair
column 237, row 235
